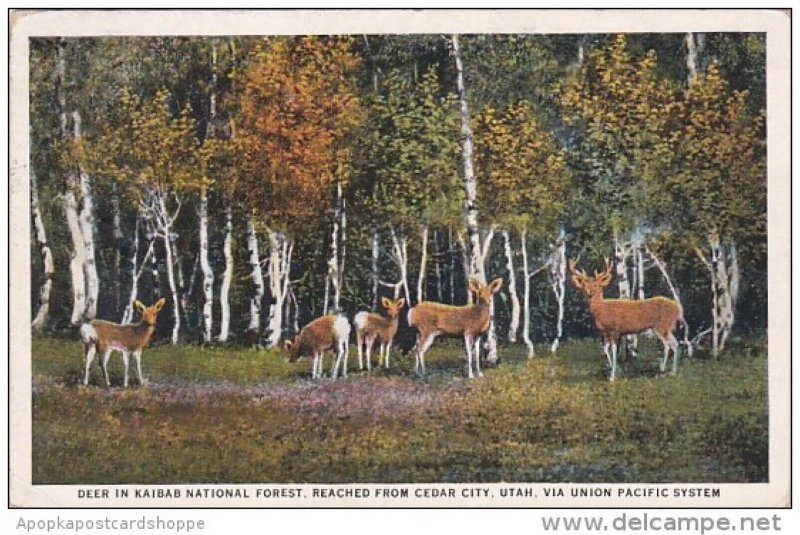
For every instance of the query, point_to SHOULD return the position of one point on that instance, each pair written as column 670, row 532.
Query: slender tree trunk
column 86, row 221
column 155, row 277
column 48, row 266
column 208, row 272
column 136, row 272
column 558, row 278
column 343, row 253
column 333, row 262
column 423, row 264
column 512, row 288
column 169, row 257
column 257, row 276
column 725, row 265
column 474, row 256
column 526, row 295
column 375, row 272
column 400, row 254
column 116, row 268
column 438, row 265
column 227, row 276
column 278, row 271
column 676, row 296
column 452, row 274
column 694, row 47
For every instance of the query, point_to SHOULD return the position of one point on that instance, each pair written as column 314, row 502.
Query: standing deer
column 328, row 333
column 432, row 319
column 105, row 337
column 373, row 326
column 616, row 317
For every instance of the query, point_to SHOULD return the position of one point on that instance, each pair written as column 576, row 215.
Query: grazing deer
column 105, row 337
column 373, row 326
column 432, row 319
column 616, row 317
column 328, row 333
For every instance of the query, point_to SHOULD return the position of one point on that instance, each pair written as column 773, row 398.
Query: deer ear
column 576, row 281
column 287, row 345
column 385, row 302
column 139, row 305
column 473, row 285
column 160, row 303
column 495, row 285
column 401, row 302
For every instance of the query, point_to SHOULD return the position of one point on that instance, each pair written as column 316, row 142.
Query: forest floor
column 233, row 415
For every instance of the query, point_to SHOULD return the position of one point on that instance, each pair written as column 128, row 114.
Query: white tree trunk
column 423, row 264
column 86, row 220
column 526, row 295
column 116, row 269
column 208, row 272
column 48, row 266
column 694, row 47
column 558, row 278
column 438, row 265
column 375, row 273
column 257, row 276
column 278, row 271
column 662, row 268
column 400, row 256
column 452, row 275
column 726, row 268
column 334, row 278
column 136, row 273
column 474, row 249
column 512, row 288
column 621, row 252
column 227, row 277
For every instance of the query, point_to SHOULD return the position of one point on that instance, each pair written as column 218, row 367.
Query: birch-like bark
column 116, row 268
column 470, row 209
column 343, row 251
column 423, row 264
column 70, row 202
column 662, row 268
column 375, row 273
column 136, row 272
column 333, row 262
column 621, row 252
column 452, row 278
column 558, row 278
column 48, row 265
column 278, row 276
column 86, row 221
column 726, row 266
column 257, row 276
column 155, row 276
column 694, row 47
column 400, row 256
column 639, row 271
column 526, row 295
column 208, row 272
column 438, row 265
column 166, row 222
column 513, row 327
column 227, row 277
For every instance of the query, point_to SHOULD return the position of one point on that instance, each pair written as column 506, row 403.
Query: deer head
column 392, row 307
column 590, row 286
column 150, row 314
column 483, row 292
column 291, row 348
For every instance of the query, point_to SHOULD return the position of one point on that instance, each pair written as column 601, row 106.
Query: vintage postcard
column 498, row 258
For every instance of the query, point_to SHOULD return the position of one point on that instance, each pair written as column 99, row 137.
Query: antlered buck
column 328, row 333
column 470, row 321
column 370, row 327
column 106, row 337
column 616, row 317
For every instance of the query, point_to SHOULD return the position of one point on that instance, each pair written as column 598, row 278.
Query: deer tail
column 360, row 321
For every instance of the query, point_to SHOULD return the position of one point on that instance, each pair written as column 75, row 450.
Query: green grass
column 240, row 415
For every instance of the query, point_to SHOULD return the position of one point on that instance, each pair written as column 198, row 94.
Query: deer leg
column 344, row 347
column 138, row 356
column 476, row 353
column 315, row 365
column 613, row 361
column 125, row 361
column 360, row 341
column 423, row 347
column 104, row 365
column 386, row 355
column 88, row 358
column 606, row 348
column 469, row 347
column 673, row 342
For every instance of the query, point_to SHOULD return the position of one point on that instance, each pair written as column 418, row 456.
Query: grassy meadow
column 233, row 415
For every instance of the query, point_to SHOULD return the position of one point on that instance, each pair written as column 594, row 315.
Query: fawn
column 105, row 337
column 432, row 319
column 373, row 326
column 328, row 333
column 616, row 317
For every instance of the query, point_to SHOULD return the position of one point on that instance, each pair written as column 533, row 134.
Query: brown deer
column 106, row 337
column 328, row 333
column 470, row 321
column 370, row 327
column 616, row 317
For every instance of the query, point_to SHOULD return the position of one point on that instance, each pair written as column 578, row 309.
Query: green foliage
column 233, row 416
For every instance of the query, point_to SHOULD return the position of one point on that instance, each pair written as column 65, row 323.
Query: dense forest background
column 258, row 182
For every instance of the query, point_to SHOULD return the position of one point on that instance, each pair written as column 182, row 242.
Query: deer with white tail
column 617, row 317
column 328, row 333
column 470, row 321
column 371, row 327
column 105, row 337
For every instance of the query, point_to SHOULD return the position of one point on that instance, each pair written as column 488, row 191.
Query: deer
column 431, row 319
column 370, row 327
column 616, row 317
column 105, row 337
column 327, row 333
